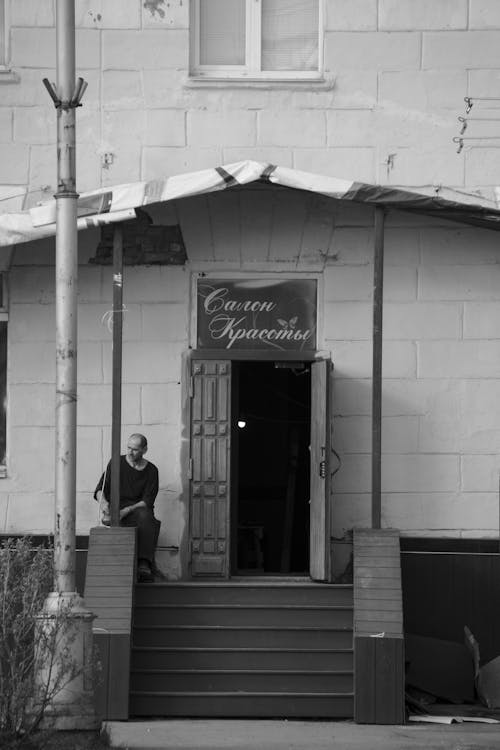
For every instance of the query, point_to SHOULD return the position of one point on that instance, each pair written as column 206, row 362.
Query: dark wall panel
column 442, row 592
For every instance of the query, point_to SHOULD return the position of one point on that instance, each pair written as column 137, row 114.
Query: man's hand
column 125, row 511
column 104, row 510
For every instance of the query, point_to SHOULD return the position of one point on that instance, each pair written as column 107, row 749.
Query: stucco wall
column 441, row 368
column 396, row 73
column 441, row 426
column 156, row 301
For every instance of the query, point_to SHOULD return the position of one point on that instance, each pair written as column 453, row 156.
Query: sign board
column 270, row 314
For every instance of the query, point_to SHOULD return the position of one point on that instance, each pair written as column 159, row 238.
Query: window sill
column 8, row 76
column 219, row 82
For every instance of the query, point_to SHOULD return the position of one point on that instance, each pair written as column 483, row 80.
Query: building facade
column 370, row 90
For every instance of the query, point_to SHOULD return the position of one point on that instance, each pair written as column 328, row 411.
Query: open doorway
column 271, row 407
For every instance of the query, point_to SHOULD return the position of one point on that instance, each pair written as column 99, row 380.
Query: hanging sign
column 276, row 315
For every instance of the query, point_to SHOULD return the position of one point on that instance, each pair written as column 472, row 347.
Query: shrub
column 26, row 691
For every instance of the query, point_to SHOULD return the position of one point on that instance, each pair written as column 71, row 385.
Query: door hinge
column 322, row 464
column 190, row 468
column 191, row 387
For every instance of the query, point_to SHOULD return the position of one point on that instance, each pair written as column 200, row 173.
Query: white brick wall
column 408, row 65
column 373, row 50
column 307, row 128
column 441, row 434
column 397, row 15
column 397, row 73
column 351, row 15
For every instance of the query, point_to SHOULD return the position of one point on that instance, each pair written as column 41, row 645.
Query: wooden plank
column 364, row 680
column 224, row 210
column 194, row 220
column 378, row 609
column 369, row 572
column 288, row 226
column 389, row 695
column 371, row 583
column 319, row 503
column 101, row 652
column 319, row 226
column 375, row 595
column 119, row 676
column 387, row 633
column 376, row 541
column 120, row 573
column 386, row 605
column 373, row 628
column 380, row 615
column 378, row 553
column 256, row 220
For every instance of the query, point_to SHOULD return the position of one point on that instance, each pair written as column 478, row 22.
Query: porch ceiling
column 109, row 205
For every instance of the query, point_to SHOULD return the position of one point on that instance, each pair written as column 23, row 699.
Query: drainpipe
column 64, row 612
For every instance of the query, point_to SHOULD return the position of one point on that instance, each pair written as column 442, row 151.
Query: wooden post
column 116, row 415
column 378, row 301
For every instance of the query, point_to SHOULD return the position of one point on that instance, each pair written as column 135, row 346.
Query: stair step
column 272, row 592
column 243, row 636
column 242, row 614
column 225, row 658
column 261, row 681
column 244, row 704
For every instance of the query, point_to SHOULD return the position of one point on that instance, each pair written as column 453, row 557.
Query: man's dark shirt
column 135, row 484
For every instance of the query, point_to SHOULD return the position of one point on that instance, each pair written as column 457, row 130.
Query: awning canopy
column 115, row 204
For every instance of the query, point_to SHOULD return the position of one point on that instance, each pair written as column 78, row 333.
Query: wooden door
column 210, row 467
column 319, row 554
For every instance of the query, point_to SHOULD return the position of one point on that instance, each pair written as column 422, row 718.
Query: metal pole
column 378, row 300
column 66, row 303
column 116, row 416
column 72, row 707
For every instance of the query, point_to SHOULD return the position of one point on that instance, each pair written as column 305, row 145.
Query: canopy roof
column 118, row 203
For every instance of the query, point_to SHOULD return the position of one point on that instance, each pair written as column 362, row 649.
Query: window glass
column 289, row 35
column 3, row 394
column 222, row 32
column 2, row 33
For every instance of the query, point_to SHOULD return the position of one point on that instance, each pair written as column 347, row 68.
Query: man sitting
column 138, row 490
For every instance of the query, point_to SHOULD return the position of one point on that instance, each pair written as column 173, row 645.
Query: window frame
column 4, row 319
column 253, row 41
column 5, row 36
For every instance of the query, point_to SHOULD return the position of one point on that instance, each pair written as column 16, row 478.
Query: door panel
column 320, row 471
column 210, row 436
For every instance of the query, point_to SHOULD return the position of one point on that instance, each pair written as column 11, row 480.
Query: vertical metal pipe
column 378, row 301
column 116, row 416
column 66, row 305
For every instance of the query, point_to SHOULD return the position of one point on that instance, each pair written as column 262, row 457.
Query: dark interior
column 271, row 466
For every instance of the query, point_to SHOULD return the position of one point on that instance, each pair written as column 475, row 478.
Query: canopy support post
column 116, row 415
column 378, row 301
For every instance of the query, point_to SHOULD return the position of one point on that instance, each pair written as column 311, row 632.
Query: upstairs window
column 4, row 36
column 256, row 39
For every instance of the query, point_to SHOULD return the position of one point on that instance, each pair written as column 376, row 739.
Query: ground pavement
column 203, row 734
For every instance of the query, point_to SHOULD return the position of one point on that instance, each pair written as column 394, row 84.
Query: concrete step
column 243, row 614
column 227, row 680
column 219, row 636
column 230, row 592
column 244, row 704
column 225, row 658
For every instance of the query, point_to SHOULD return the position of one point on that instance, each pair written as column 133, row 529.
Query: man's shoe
column 144, row 573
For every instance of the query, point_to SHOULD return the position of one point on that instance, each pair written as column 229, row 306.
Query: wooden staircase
column 242, row 648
